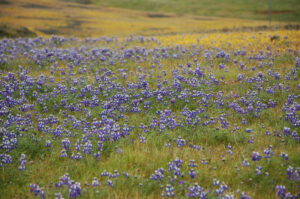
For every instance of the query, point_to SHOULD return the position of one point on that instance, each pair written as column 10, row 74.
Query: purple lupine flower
column 268, row 152
column 216, row 182
column 168, row 191
column 286, row 131
column 240, row 77
column 35, row 189
column 78, row 156
column 168, row 144
column 244, row 195
column 221, row 66
column 116, row 173
column 245, row 163
column 180, row 142
column 43, row 194
column 87, row 147
column 284, row 156
column 258, row 170
column 192, row 173
column 48, row 143
column 142, row 138
column 256, row 156
column 248, row 130
column 158, row 175
column 228, row 196
column 192, row 163
column 5, row 159
column 22, row 162
column 223, row 187
column 126, row 174
column 63, row 153
column 104, row 173
column 195, row 191
column 280, row 191
column 110, row 183
column 293, row 174
column 66, row 144
column 58, row 196
column 97, row 155
column 95, row 182
column 74, row 190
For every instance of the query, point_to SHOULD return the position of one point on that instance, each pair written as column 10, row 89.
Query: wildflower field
column 185, row 115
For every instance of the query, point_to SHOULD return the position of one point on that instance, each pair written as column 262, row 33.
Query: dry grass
column 66, row 18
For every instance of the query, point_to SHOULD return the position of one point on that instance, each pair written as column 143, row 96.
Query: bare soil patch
column 4, row 2
column 158, row 15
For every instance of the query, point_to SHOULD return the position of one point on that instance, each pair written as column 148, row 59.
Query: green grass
column 141, row 160
column 287, row 10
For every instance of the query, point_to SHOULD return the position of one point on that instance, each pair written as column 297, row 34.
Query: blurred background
column 93, row 18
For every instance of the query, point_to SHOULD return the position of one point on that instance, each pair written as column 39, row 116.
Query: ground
column 147, row 102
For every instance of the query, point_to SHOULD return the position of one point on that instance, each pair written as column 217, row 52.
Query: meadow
column 31, row 18
column 287, row 10
column 172, row 107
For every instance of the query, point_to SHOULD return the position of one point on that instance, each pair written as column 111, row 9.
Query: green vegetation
column 144, row 84
column 287, row 10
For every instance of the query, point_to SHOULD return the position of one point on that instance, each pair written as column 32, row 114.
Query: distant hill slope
column 283, row 10
column 25, row 18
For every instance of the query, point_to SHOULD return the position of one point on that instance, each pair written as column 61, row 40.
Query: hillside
column 287, row 10
column 47, row 17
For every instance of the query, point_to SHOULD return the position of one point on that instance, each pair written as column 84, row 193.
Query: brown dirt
column 158, row 15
